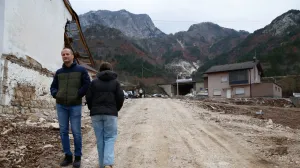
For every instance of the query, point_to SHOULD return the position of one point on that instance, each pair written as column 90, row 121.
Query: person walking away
column 70, row 84
column 105, row 98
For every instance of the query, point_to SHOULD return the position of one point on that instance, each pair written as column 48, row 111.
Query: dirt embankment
column 280, row 111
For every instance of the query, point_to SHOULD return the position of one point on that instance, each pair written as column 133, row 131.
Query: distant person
column 140, row 92
column 133, row 93
column 136, row 93
column 69, row 85
column 105, row 98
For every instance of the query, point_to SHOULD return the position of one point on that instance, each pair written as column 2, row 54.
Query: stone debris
column 54, row 126
column 42, row 120
column 48, row 146
column 6, row 131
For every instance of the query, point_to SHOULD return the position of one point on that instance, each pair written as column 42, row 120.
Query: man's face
column 67, row 56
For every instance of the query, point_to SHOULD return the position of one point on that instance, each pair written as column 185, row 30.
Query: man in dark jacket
column 69, row 85
column 105, row 98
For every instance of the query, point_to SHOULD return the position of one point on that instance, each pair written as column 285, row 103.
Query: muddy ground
column 155, row 132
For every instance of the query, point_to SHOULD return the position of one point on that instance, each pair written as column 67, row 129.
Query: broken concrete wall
column 24, row 86
column 167, row 89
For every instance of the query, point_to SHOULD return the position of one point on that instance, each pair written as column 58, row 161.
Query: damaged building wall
column 31, row 39
column 25, row 87
column 1, row 25
column 34, row 28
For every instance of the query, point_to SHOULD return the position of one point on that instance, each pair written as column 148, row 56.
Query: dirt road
column 166, row 133
column 162, row 133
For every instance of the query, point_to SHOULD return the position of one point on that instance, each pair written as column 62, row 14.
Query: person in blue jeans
column 70, row 84
column 104, row 99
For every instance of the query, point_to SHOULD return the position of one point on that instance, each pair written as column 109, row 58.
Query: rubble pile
column 279, row 110
column 32, row 139
column 286, row 103
column 263, row 102
column 27, row 146
column 214, row 107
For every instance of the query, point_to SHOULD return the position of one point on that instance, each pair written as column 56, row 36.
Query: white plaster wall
column 255, row 77
column 1, row 76
column 18, row 74
column 2, row 5
column 35, row 28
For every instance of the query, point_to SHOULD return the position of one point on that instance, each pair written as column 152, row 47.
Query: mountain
column 185, row 51
column 182, row 52
column 276, row 46
column 128, row 58
column 125, row 38
column 132, row 25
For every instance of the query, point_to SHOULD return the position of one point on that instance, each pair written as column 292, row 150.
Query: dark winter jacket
column 105, row 96
column 70, row 84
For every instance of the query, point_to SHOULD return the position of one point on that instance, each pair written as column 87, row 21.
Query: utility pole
column 177, row 85
column 143, row 70
column 254, row 59
column 155, row 73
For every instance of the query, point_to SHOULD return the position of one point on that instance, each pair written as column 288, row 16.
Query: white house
column 31, row 39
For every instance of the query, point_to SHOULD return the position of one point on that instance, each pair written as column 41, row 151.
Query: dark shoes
column 77, row 162
column 67, row 161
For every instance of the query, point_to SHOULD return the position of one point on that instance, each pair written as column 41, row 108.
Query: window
column 239, row 91
column 224, row 79
column 238, row 77
column 217, row 92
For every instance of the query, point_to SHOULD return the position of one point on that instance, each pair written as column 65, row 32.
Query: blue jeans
column 105, row 127
column 72, row 114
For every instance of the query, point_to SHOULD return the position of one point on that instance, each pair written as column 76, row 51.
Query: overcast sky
column 172, row 16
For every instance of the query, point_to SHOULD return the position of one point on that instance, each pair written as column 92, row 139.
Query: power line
column 95, row 1
column 215, row 21
column 149, row 70
column 143, row 68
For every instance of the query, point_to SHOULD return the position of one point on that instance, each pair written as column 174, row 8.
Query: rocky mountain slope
column 200, row 43
column 132, row 25
column 112, row 45
column 112, row 35
column 276, row 46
